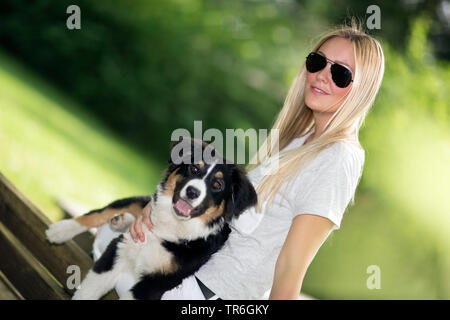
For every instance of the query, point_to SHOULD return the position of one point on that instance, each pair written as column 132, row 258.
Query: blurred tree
column 397, row 18
column 148, row 67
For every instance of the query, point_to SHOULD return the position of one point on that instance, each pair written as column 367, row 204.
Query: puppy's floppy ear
column 243, row 193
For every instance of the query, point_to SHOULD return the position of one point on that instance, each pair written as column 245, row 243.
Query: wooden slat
column 85, row 241
column 28, row 224
column 30, row 278
column 8, row 291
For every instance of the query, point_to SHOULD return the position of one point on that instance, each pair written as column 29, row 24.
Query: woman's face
column 321, row 93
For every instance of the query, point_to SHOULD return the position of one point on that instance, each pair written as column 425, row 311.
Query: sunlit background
column 87, row 115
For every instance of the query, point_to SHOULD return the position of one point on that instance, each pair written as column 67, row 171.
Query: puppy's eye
column 195, row 169
column 217, row 186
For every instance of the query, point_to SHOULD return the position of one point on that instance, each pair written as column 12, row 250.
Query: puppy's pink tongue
column 183, row 207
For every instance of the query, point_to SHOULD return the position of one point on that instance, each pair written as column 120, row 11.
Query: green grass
column 52, row 149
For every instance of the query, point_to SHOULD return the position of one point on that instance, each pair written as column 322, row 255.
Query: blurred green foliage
column 397, row 19
column 148, row 67
column 95, row 124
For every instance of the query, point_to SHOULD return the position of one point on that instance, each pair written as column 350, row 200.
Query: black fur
column 142, row 200
column 244, row 195
column 189, row 256
column 125, row 202
column 106, row 261
column 153, row 286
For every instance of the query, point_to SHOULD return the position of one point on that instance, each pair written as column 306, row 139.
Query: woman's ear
column 243, row 193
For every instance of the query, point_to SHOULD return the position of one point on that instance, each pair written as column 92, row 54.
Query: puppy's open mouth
column 182, row 208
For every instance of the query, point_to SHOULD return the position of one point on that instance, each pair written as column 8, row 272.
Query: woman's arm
column 304, row 239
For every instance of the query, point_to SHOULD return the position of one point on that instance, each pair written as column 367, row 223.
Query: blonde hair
column 295, row 118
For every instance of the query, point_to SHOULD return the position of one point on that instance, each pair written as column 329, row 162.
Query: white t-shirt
column 244, row 267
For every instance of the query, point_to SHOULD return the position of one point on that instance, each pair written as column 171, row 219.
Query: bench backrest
column 36, row 268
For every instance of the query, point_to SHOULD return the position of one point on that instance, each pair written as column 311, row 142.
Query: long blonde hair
column 295, row 119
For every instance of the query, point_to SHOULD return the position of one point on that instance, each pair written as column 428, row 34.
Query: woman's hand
column 136, row 227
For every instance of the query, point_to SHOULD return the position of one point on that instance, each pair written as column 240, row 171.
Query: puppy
column 190, row 211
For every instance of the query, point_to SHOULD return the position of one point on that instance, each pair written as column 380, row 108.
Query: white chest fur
column 133, row 259
column 144, row 257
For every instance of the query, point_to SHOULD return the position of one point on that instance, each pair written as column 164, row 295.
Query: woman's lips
column 318, row 92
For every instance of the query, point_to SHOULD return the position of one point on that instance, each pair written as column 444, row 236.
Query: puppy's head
column 203, row 186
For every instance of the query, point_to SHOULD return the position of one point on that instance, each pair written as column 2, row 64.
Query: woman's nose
column 324, row 74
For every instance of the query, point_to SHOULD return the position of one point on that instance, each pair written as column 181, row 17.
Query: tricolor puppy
column 190, row 211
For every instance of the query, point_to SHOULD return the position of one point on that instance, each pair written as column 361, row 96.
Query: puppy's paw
column 120, row 222
column 64, row 230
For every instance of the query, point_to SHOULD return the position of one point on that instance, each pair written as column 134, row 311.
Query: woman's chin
column 313, row 104
column 317, row 104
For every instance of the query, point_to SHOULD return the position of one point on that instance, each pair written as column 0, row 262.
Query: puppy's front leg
column 127, row 296
column 95, row 285
column 103, row 276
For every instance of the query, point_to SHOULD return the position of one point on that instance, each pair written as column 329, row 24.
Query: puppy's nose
column 192, row 193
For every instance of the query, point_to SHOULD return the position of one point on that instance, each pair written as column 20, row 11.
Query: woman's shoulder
column 341, row 153
column 349, row 148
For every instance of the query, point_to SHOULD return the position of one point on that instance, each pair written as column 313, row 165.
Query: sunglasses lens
column 341, row 75
column 315, row 62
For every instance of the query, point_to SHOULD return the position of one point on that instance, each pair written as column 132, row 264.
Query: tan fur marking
column 97, row 219
column 212, row 213
column 201, row 164
column 171, row 183
column 219, row 175
column 169, row 268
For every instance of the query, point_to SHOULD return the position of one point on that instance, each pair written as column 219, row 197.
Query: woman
column 320, row 164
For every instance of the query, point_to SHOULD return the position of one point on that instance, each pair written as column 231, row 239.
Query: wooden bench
column 30, row 266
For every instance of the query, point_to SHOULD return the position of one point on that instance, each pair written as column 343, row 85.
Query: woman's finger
column 146, row 213
column 132, row 231
column 148, row 223
column 138, row 227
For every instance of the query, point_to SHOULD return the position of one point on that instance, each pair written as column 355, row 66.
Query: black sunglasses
column 341, row 75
